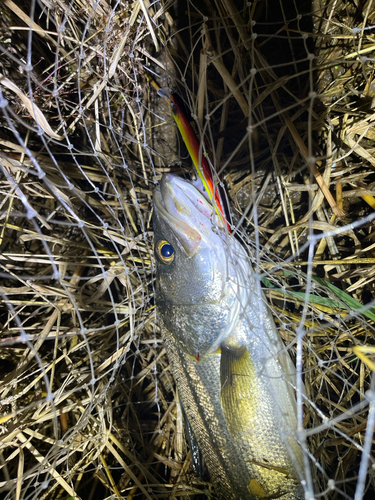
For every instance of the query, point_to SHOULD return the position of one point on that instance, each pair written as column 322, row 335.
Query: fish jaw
column 183, row 202
column 174, row 190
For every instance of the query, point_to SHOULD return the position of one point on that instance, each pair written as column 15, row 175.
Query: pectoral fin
column 236, row 373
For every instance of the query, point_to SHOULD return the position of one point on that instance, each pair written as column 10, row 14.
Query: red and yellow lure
column 197, row 155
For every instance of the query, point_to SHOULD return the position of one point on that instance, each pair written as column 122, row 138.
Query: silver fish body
column 233, row 374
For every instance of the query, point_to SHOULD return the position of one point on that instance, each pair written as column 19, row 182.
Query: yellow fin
column 237, row 375
column 256, row 489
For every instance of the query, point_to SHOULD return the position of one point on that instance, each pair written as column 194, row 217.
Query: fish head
column 192, row 273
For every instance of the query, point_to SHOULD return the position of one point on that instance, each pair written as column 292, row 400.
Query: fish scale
column 234, row 376
column 200, row 397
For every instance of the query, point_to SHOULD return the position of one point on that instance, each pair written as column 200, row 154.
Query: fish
column 235, row 378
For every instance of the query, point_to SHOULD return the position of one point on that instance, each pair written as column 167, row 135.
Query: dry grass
column 285, row 99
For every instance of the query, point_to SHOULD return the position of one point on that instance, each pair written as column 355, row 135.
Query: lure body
column 205, row 182
column 233, row 374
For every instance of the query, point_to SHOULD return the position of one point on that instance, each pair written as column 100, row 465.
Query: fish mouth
column 186, row 211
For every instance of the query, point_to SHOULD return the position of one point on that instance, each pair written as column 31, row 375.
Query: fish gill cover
column 283, row 93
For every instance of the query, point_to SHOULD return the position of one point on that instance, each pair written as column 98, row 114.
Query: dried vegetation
column 285, row 99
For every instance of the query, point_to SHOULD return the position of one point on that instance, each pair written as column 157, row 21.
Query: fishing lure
column 197, row 154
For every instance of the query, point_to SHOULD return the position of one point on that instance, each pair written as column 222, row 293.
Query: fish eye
column 165, row 251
